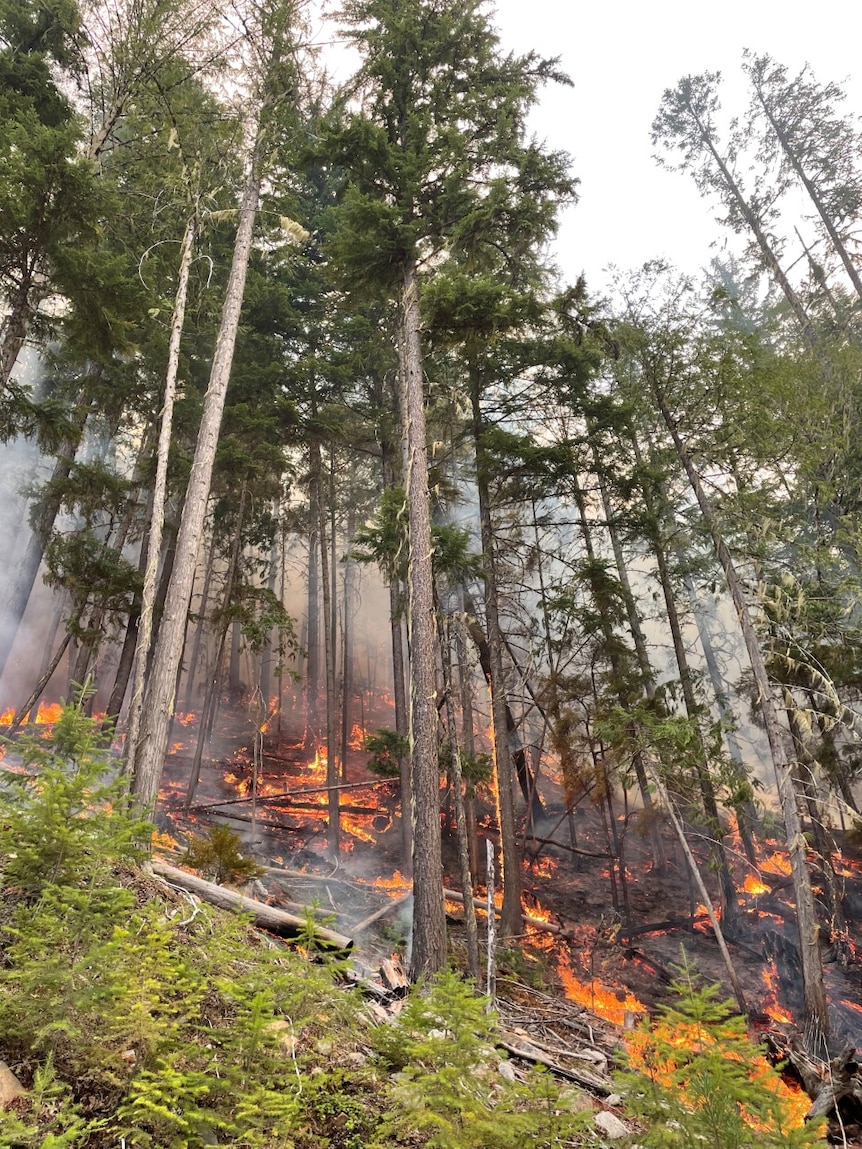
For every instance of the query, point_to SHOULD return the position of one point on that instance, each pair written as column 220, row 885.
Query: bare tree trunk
column 796, row 164
column 333, row 816
column 399, row 689
column 511, row 919
column 429, row 919
column 730, row 904
column 460, row 814
column 159, row 698
column 816, row 1018
column 616, row 668
column 312, row 663
column 347, row 641
column 200, row 627
column 159, row 495
column 211, row 698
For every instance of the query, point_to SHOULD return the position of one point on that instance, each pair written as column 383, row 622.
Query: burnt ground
column 614, row 959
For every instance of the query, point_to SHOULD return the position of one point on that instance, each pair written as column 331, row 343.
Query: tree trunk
column 616, row 667
column 333, row 817
column 429, row 919
column 816, row 1018
column 347, row 642
column 211, row 697
column 730, row 904
column 460, row 813
column 511, row 919
column 828, row 222
column 159, row 698
column 399, row 689
column 769, row 257
column 312, row 662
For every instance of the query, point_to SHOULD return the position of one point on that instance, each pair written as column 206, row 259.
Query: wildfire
column 776, row 863
column 357, row 738
column 770, row 1004
column 754, row 885
column 184, row 719
column 46, row 715
column 543, row 867
column 613, row 1005
column 395, row 886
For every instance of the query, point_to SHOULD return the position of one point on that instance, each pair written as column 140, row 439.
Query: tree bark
column 460, row 813
column 511, row 920
column 333, row 817
column 160, row 694
column 160, row 487
column 429, row 919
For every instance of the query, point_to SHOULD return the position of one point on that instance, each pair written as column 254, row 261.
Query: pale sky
column 622, row 54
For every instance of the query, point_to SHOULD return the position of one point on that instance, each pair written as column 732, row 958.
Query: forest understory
column 613, row 944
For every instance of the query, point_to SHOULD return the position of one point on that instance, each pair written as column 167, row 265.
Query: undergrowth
column 136, row 1017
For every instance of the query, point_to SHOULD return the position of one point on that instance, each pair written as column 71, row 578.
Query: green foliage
column 701, row 1081
column 448, row 1088
column 218, row 856
column 387, row 749
column 125, row 1016
column 56, row 817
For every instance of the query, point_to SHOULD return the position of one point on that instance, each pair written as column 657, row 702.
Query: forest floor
column 618, row 942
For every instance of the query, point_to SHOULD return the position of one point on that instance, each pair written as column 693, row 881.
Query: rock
column 324, row 1048
column 10, row 1087
column 355, row 1058
column 610, row 1125
column 506, row 1070
column 282, row 1031
column 576, row 1100
column 614, row 1100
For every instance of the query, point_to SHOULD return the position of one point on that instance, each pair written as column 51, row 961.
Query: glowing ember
column 852, row 1005
column 753, row 885
column 543, row 867
column 184, row 719
column 613, row 1005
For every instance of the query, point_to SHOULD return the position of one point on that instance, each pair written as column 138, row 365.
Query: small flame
column 395, row 885
column 754, row 885
column 771, row 1006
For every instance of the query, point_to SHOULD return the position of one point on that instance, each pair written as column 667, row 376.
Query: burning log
column 533, row 923
column 265, row 917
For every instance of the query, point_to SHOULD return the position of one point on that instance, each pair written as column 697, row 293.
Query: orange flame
column 776, row 863
column 596, row 997
column 754, row 885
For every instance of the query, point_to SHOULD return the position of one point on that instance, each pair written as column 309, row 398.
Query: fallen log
column 265, row 917
column 383, row 912
column 292, row 794
column 536, row 1057
column 533, row 923
column 827, row 1083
